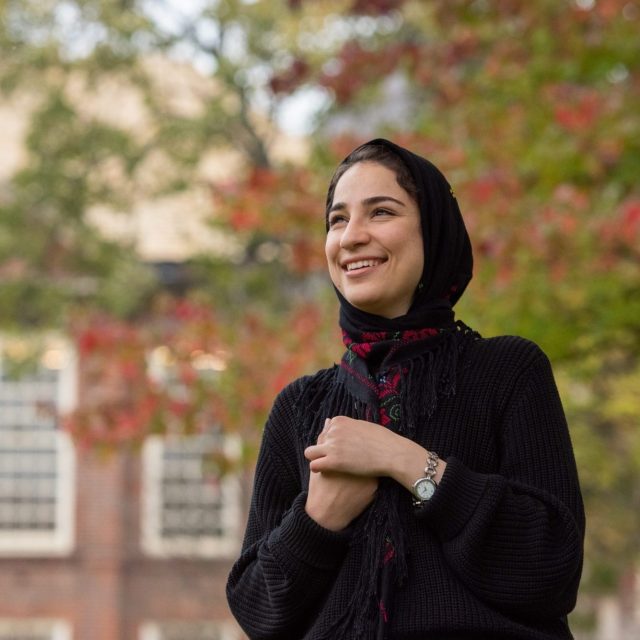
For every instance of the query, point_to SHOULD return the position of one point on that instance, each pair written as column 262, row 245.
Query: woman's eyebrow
column 339, row 206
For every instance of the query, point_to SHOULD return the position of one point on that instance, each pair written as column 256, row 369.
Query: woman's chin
column 377, row 308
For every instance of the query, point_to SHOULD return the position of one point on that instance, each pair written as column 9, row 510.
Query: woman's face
column 374, row 244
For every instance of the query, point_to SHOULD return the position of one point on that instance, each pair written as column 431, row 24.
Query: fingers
column 325, row 446
column 325, row 430
column 316, row 465
column 314, row 452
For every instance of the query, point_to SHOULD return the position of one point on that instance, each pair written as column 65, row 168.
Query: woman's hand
column 363, row 448
column 335, row 499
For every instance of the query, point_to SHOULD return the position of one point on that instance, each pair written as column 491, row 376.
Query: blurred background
column 163, row 166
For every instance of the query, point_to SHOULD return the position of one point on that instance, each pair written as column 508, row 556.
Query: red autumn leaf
column 375, row 7
column 580, row 114
column 290, row 79
column 244, row 220
column 631, row 220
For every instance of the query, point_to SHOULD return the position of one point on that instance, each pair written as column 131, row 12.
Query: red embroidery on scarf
column 387, row 386
column 389, row 553
column 383, row 612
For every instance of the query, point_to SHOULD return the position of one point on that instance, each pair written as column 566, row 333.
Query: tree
column 68, row 276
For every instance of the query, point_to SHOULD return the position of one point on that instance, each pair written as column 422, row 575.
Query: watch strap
column 432, row 465
column 430, row 471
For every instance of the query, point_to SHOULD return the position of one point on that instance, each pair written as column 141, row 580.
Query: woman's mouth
column 362, row 264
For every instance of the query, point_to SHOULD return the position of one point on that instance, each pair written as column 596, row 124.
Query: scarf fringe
column 315, row 404
column 431, row 376
column 427, row 377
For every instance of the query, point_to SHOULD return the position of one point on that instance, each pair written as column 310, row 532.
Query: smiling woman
column 426, row 486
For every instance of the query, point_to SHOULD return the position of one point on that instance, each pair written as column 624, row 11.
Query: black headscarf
column 393, row 372
column 448, row 259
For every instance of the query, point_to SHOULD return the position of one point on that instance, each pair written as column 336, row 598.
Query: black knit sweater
column 496, row 553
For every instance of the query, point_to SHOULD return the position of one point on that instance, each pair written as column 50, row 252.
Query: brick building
column 135, row 546
column 131, row 546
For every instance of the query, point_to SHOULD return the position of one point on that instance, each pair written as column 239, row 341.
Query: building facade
column 131, row 545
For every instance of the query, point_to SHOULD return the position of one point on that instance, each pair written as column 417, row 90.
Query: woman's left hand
column 364, row 448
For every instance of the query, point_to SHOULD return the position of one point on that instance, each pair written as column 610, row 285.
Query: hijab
column 393, row 372
column 448, row 259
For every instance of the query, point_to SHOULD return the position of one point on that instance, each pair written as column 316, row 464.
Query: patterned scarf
column 383, row 352
column 396, row 380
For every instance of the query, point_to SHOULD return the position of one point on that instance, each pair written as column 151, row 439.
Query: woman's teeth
column 362, row 263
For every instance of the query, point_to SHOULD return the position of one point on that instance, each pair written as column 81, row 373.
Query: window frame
column 60, row 541
column 55, row 628
column 152, row 629
column 153, row 542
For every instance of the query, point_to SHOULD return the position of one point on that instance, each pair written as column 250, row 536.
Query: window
column 187, row 511
column 189, row 631
column 34, row 630
column 37, row 462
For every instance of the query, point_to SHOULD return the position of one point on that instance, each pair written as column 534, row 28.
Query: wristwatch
column 424, row 488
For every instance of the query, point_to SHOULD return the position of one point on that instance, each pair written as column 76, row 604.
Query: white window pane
column 37, row 463
column 189, row 631
column 186, row 512
column 14, row 629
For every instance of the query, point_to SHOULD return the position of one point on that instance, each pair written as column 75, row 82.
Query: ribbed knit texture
column 497, row 553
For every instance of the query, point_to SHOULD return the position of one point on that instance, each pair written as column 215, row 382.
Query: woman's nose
column 354, row 234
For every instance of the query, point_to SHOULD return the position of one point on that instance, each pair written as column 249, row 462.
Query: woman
column 426, row 486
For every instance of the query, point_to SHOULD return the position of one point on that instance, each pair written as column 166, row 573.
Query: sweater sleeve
column 515, row 538
column 288, row 561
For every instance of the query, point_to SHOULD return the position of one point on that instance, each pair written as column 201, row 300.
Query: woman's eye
column 382, row 212
column 333, row 220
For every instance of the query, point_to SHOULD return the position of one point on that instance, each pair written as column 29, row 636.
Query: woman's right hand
column 334, row 499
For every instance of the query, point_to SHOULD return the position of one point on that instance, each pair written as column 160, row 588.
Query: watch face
column 425, row 488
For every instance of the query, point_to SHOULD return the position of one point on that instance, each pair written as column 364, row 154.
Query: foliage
column 184, row 371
